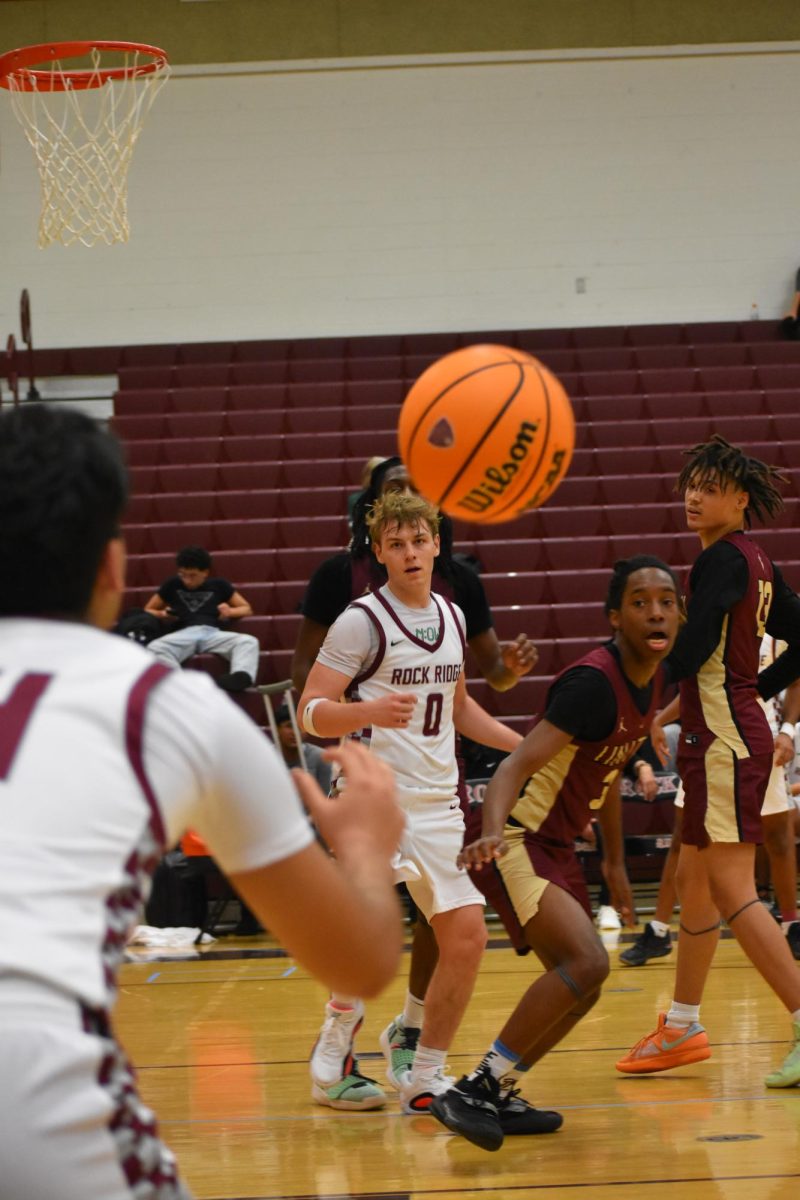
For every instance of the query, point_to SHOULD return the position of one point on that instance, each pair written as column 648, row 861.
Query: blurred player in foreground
column 105, row 758
column 540, row 799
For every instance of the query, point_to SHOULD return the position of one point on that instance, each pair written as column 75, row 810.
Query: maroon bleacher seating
column 252, row 449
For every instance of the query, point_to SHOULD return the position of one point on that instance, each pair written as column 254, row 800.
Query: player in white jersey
column 105, row 758
column 777, row 811
column 403, row 647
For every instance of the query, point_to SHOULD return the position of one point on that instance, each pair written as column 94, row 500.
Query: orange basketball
column 487, row 433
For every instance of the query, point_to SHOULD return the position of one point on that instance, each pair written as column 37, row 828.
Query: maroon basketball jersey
column 558, row 800
column 721, row 701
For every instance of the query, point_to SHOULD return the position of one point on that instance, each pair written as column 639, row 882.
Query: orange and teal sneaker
column 666, row 1048
column 788, row 1073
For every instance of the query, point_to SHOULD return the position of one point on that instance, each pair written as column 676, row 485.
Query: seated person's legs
column 174, row 648
column 241, row 650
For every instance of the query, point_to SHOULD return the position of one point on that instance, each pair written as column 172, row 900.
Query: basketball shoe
column 418, row 1089
column 607, row 918
column 793, row 938
column 647, row 945
column 399, row 1045
column 482, row 1112
column 666, row 1048
column 336, row 1079
column 788, row 1073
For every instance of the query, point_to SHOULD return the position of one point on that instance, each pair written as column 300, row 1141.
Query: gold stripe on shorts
column 523, row 885
column 720, row 823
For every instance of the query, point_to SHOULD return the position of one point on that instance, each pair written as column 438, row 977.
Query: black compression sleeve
column 719, row 580
column 783, row 623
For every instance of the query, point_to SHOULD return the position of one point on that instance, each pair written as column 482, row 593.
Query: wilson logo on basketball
column 496, row 479
column 550, row 480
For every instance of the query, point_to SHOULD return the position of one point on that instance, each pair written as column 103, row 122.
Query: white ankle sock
column 660, row 928
column 681, row 1016
column 427, row 1060
column 413, row 1012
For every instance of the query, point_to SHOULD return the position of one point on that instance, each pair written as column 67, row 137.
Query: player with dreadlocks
column 735, row 596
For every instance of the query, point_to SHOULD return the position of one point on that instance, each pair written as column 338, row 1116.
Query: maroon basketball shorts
column 724, row 795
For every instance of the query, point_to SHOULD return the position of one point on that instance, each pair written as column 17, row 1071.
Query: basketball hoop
column 83, row 124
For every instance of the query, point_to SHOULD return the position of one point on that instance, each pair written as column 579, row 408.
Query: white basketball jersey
column 770, row 649
column 106, row 757
column 423, row 754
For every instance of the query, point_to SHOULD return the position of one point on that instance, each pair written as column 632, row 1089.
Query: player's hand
column 484, row 850
column 646, row 779
column 621, row 895
column 224, row 611
column 784, row 750
column 519, row 656
column 658, row 740
column 392, row 712
column 363, row 818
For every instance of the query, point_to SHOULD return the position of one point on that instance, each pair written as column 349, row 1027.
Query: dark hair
column 622, row 571
column 63, row 488
column 718, row 459
column 361, row 541
column 282, row 714
column 193, row 558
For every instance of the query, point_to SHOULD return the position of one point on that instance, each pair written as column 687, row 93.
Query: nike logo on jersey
column 397, row 643
column 454, row 805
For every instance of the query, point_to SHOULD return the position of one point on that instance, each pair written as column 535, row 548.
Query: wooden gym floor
column 221, row 1044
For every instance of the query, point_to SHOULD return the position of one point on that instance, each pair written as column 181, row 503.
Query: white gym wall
column 447, row 193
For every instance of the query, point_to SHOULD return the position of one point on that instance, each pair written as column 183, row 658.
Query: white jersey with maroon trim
column 770, row 649
column 106, row 757
column 423, row 754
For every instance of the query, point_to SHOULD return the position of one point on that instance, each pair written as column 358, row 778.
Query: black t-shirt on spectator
column 196, row 606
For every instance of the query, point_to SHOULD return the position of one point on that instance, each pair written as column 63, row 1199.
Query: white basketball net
column 83, row 139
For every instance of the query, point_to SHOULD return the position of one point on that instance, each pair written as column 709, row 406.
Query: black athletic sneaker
column 647, row 945
column 518, row 1118
column 793, row 938
column 471, row 1110
column 234, row 681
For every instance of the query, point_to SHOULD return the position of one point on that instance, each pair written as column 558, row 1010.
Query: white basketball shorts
column 431, row 841
column 72, row 1125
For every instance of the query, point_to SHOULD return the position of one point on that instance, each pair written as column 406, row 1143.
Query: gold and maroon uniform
column 735, row 595
column 557, row 802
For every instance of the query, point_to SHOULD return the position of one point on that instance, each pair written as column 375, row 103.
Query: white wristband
column 788, row 728
column 308, row 719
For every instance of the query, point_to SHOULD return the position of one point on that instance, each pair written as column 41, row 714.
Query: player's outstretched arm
column 658, row 739
column 476, row 723
column 609, row 815
column 339, row 918
column 503, row 665
column 310, row 637
column 322, row 714
column 502, row 792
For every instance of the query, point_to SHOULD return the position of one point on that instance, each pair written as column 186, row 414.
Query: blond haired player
column 403, row 647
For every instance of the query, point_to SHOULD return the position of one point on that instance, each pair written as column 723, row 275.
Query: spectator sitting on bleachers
column 315, row 764
column 196, row 605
